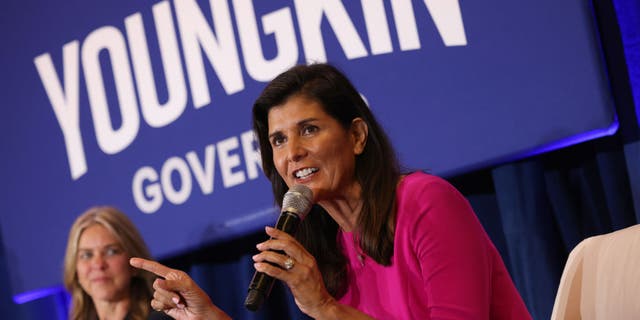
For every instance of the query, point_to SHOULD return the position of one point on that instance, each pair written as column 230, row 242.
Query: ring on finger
column 289, row 263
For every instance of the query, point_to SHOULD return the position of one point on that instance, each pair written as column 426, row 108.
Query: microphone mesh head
column 298, row 200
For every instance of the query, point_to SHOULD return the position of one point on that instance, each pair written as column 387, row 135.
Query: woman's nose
column 98, row 261
column 295, row 150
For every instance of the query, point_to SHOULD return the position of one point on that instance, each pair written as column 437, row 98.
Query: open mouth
column 303, row 173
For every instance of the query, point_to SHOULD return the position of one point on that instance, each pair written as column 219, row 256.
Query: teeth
column 305, row 172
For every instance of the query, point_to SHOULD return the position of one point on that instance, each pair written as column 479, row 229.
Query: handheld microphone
column 296, row 204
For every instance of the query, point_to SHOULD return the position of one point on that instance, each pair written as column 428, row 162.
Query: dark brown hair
column 376, row 169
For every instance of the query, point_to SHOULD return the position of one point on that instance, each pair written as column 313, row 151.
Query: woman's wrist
column 332, row 309
column 212, row 312
column 326, row 310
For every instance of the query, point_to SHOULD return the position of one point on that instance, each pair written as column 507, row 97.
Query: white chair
column 601, row 279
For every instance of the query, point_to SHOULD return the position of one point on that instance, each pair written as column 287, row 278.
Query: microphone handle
column 288, row 222
column 261, row 283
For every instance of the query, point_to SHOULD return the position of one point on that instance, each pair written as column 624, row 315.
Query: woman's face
column 312, row 148
column 102, row 265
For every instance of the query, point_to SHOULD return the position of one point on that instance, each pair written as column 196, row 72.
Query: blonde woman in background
column 97, row 272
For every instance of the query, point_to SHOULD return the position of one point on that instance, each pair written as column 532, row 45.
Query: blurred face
column 312, row 148
column 102, row 265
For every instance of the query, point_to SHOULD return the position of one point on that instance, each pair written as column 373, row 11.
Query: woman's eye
column 276, row 141
column 113, row 251
column 309, row 129
column 84, row 255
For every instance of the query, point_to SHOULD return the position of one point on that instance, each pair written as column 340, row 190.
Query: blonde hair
column 129, row 238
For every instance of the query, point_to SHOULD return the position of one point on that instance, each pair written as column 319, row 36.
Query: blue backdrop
column 146, row 105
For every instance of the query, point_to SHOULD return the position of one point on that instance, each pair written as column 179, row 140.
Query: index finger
column 277, row 233
column 151, row 266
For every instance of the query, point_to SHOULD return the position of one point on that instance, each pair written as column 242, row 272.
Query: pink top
column 444, row 265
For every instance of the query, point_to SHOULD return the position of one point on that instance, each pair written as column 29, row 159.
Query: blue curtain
column 549, row 207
